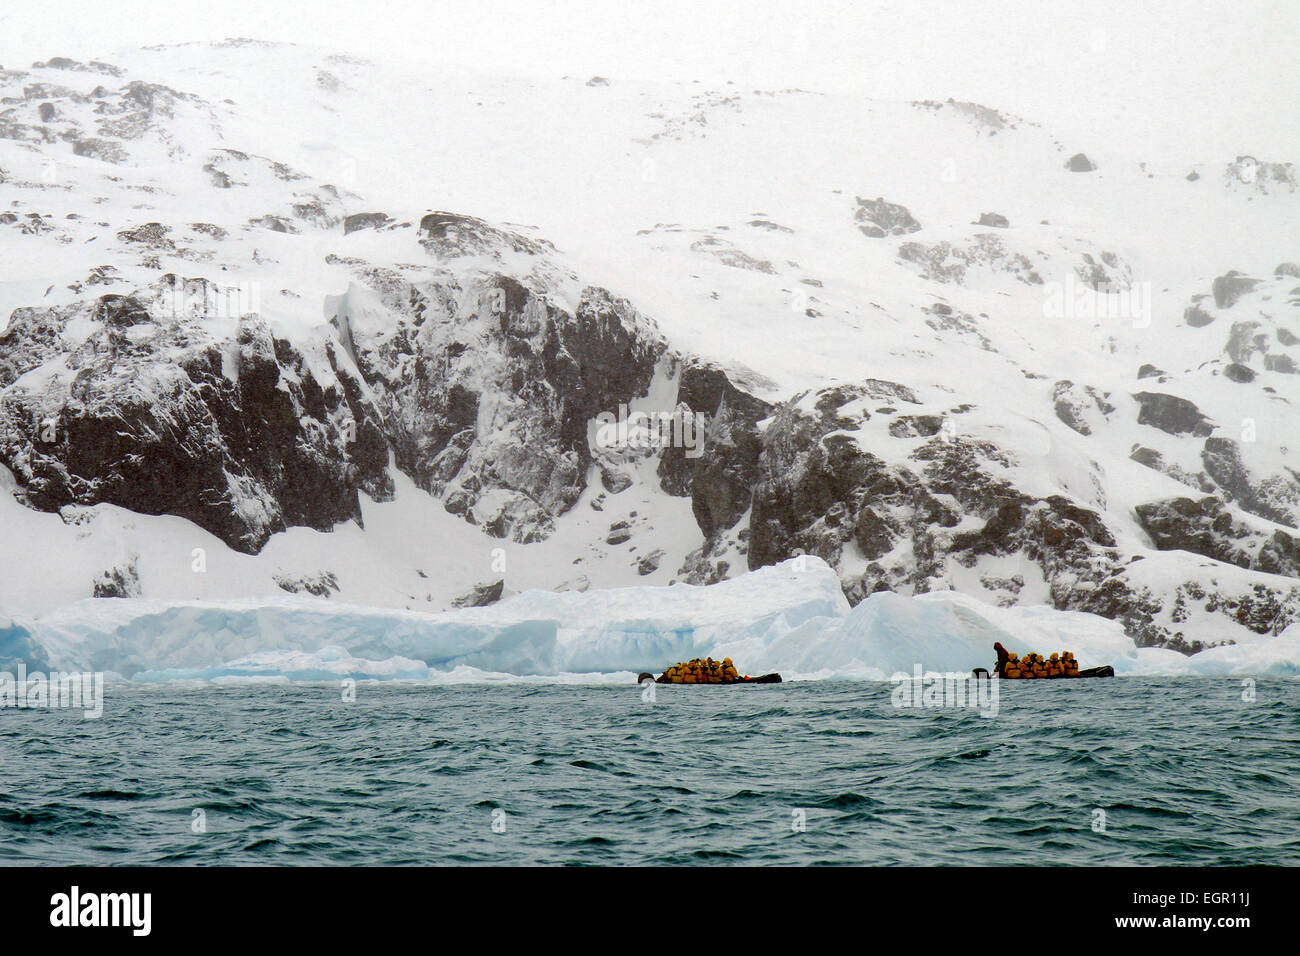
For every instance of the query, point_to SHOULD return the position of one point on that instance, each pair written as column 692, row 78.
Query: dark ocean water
column 1185, row 771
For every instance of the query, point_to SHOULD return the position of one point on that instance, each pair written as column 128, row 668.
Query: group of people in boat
column 1009, row 667
column 702, row 671
column 1012, row 666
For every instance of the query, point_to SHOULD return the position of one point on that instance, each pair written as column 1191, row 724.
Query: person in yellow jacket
column 1070, row 665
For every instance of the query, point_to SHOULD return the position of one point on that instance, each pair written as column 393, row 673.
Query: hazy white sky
column 1223, row 72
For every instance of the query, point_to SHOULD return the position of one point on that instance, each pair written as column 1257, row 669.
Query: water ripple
column 1179, row 770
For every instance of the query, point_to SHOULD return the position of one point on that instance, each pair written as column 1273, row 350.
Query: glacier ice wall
column 790, row 617
column 540, row 633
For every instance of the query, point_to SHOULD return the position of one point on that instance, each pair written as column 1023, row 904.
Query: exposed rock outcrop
column 487, row 388
column 878, row 219
column 153, row 414
column 1206, row 526
column 120, row 581
column 1229, row 288
column 320, row 583
column 364, row 220
column 481, row 595
column 1171, row 414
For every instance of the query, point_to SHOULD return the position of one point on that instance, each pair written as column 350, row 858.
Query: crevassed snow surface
column 791, row 618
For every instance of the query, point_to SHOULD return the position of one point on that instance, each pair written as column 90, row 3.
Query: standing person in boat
column 1001, row 667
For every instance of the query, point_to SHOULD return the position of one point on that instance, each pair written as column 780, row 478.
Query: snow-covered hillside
column 285, row 320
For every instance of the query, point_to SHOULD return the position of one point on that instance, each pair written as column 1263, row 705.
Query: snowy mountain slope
column 360, row 325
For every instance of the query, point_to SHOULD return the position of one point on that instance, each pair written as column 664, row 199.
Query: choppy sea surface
column 1120, row 771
